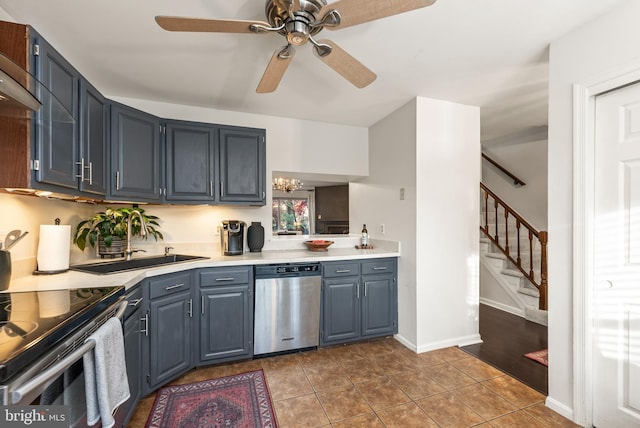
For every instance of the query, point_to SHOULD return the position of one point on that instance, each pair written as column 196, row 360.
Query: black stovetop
column 32, row 322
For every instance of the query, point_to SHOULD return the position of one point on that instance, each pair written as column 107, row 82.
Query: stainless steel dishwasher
column 287, row 307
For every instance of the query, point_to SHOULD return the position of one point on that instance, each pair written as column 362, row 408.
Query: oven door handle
column 29, row 390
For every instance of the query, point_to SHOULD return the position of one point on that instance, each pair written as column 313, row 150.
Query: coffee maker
column 232, row 237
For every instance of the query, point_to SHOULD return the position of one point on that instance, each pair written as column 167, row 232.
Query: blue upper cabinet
column 135, row 155
column 56, row 142
column 190, row 162
column 242, row 165
column 94, row 140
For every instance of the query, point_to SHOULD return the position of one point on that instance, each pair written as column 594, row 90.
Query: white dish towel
column 105, row 373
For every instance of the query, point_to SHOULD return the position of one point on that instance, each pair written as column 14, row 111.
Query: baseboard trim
column 559, row 407
column 501, row 306
column 459, row 341
column 400, row 338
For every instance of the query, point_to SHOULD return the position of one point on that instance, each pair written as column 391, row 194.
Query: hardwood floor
column 506, row 338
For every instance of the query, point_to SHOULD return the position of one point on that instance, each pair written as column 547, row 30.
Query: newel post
column 543, row 236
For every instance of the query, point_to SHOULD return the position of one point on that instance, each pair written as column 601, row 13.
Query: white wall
column 604, row 45
column 527, row 161
column 376, row 201
column 448, row 173
column 431, row 149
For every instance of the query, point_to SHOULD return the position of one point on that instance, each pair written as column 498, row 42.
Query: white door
column 616, row 358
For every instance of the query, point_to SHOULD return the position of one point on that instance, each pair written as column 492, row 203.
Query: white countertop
column 75, row 279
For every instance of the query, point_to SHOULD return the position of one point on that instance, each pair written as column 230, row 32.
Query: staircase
column 513, row 261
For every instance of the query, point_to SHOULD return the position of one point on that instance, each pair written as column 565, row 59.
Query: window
column 291, row 214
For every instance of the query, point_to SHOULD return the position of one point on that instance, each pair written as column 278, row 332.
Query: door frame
column 584, row 121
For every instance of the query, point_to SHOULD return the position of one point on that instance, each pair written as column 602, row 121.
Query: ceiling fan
column 299, row 21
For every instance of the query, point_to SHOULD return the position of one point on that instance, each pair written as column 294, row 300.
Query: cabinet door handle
column 135, row 302
column 222, row 189
column 190, row 308
column 380, row 268
column 202, row 304
column 343, row 270
column 211, row 188
column 81, row 176
column 230, row 278
column 365, row 289
column 146, row 324
column 117, row 180
column 171, row 287
column 358, row 290
column 90, row 173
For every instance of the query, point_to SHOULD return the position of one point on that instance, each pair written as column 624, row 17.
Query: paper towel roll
column 53, row 248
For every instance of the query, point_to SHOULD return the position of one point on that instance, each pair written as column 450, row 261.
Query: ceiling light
column 287, row 184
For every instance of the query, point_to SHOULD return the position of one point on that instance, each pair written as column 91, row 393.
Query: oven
column 42, row 342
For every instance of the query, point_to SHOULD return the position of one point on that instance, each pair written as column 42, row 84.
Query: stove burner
column 9, row 330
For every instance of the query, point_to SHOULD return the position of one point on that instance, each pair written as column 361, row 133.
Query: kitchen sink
column 116, row 266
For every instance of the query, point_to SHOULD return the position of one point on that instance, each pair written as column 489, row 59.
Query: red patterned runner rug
column 240, row 401
column 540, row 356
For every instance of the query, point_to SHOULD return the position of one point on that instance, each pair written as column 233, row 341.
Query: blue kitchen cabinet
column 135, row 155
column 242, row 165
column 63, row 149
column 94, row 140
column 360, row 300
column 133, row 335
column 168, row 319
column 190, row 162
column 56, row 142
column 226, row 314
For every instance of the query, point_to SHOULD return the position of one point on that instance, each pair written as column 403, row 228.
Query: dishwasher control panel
column 287, row 269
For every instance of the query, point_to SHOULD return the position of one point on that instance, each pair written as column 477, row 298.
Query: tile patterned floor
column 383, row 384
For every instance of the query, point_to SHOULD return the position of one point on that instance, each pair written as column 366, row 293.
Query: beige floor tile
column 450, row 354
column 416, row 384
column 362, row 370
column 373, row 348
column 281, row 365
column 391, row 363
column 283, row 386
column 302, row 411
column 327, row 376
column 475, row 368
column 517, row 419
column 407, row 415
column 514, row 391
column 448, row 376
column 549, row 417
column 315, row 358
column 370, row 420
column 448, row 411
column 345, row 353
column 483, row 401
column 381, row 393
column 343, row 403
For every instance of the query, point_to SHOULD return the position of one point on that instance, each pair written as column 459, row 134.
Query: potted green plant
column 108, row 230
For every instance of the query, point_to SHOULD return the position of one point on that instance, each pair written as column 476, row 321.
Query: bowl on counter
column 318, row 245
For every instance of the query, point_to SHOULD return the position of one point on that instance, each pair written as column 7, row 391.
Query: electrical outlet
column 402, row 193
column 382, row 229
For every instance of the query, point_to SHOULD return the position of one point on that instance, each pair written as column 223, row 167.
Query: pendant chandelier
column 287, row 185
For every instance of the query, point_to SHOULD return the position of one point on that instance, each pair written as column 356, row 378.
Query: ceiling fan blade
column 176, row 23
column 275, row 70
column 346, row 65
column 354, row 12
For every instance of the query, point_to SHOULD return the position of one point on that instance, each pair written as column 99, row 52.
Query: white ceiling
column 489, row 53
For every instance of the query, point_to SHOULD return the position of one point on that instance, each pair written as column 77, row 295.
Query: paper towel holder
column 52, row 271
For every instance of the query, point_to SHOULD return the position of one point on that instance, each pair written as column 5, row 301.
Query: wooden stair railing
column 501, row 239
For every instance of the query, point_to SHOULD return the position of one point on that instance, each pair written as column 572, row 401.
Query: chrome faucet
column 143, row 231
